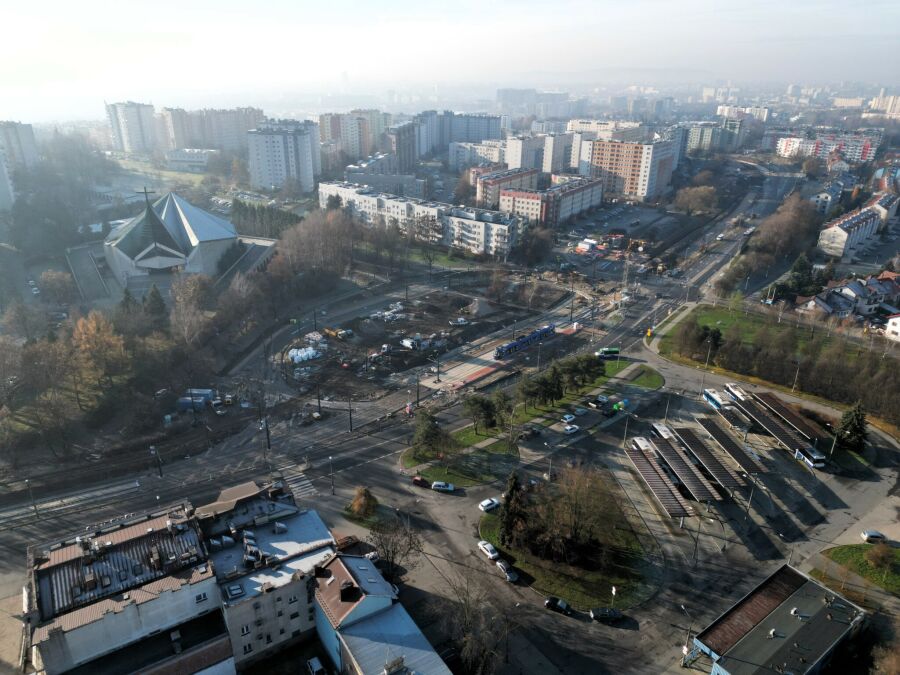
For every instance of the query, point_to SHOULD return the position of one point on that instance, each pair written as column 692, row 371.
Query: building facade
column 855, row 147
column 489, row 185
column 463, row 155
column 637, row 170
column 845, row 236
column 280, row 151
column 614, row 130
column 402, row 142
column 7, row 193
column 133, row 127
column 557, row 152
column 525, row 152
column 553, row 206
column 17, row 143
column 350, row 130
column 479, row 231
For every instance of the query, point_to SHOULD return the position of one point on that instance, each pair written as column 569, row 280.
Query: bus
column 662, row 431
column 810, row 457
column 525, row 341
column 608, row 353
column 714, row 399
column 735, row 392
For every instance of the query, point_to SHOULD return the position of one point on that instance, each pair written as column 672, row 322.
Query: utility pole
column 687, row 637
column 540, row 344
column 705, row 365
column 158, row 460
column 572, row 302
column 417, row 388
column 350, row 410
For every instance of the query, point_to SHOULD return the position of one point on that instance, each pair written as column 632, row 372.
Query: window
column 292, row 599
column 245, row 629
column 248, row 648
column 280, row 613
column 200, row 597
column 295, row 615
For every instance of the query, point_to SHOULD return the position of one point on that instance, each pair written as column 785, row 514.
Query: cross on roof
column 146, row 194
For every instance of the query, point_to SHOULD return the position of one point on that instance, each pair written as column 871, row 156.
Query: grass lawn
column 467, row 437
column 853, row 557
column 579, row 587
column 381, row 512
column 648, row 378
column 723, row 318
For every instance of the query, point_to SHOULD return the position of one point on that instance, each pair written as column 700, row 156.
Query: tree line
column 789, row 231
column 822, row 365
column 261, row 220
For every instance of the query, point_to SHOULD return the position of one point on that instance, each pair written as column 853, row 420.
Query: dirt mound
column 480, row 307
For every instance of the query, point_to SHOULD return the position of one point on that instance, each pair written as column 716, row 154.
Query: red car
column 421, row 482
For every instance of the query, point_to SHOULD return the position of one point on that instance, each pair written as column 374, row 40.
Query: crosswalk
column 300, row 485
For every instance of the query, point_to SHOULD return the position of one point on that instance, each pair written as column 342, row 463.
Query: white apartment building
column 847, row 235
column 284, row 150
column 463, row 155
column 17, row 142
column 760, row 113
column 557, row 152
column 133, row 126
column 611, row 130
column 350, row 130
column 476, row 230
column 854, row 147
column 525, row 152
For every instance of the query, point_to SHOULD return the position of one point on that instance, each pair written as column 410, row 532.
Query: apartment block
column 854, row 147
column 17, row 143
column 760, row 113
column 402, row 142
column 557, row 152
column 476, row 230
column 7, row 194
column 525, row 152
column 224, row 129
column 438, row 129
column 845, row 236
column 463, row 155
column 637, row 170
column 611, row 130
column 280, row 151
column 133, row 127
column 568, row 198
column 350, row 130
column 380, row 173
column 489, row 185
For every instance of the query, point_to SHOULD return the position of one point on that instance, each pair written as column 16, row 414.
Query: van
column 720, row 237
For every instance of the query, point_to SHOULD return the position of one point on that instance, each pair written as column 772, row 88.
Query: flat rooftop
column 788, row 622
column 296, row 541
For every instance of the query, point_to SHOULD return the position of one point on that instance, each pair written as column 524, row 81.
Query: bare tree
column 398, row 544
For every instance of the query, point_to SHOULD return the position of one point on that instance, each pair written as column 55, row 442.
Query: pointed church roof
column 171, row 224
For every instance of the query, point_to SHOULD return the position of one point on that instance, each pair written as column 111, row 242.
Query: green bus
column 608, row 353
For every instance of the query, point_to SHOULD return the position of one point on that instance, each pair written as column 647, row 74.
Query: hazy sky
column 61, row 59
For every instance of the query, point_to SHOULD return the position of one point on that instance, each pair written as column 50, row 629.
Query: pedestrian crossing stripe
column 301, row 486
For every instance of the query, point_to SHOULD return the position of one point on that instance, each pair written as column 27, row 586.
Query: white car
column 571, row 429
column 488, row 549
column 872, row 536
column 489, row 504
column 567, row 419
column 511, row 575
column 440, row 486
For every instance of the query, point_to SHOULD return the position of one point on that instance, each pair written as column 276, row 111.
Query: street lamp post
column 31, row 496
column 705, row 365
column 350, row 411
column 540, row 344
column 687, row 637
column 331, row 471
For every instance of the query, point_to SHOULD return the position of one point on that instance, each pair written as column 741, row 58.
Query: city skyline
column 68, row 59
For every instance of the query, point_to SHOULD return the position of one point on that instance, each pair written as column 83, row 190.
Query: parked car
column 511, row 575
column 373, row 556
column 488, row 549
column 489, row 504
column 606, row 614
column 440, row 486
column 528, row 432
column 555, row 604
column 421, row 482
column 872, row 536
column 602, row 399
column 571, row 429
column 567, row 418
column 580, row 412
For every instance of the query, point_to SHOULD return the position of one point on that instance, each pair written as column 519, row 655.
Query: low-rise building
column 488, row 185
column 827, row 199
column 191, row 160
column 563, row 201
column 789, row 623
column 363, row 628
column 892, row 328
column 380, row 172
column 854, row 147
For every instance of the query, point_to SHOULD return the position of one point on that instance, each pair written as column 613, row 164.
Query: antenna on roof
column 146, row 194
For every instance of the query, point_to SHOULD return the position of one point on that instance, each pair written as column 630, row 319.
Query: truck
column 186, row 403
column 339, row 333
column 206, row 395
